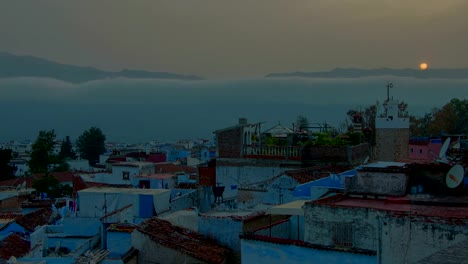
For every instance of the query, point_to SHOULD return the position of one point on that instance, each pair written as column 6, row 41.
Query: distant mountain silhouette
column 358, row 73
column 28, row 66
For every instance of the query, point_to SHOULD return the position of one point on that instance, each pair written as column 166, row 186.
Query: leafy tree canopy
column 91, row 144
column 43, row 158
column 452, row 118
column 6, row 171
column 51, row 186
column 66, row 150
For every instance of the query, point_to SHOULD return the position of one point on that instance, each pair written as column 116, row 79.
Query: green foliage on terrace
column 274, row 141
column 326, row 139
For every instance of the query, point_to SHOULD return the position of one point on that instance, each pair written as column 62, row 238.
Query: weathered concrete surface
column 381, row 183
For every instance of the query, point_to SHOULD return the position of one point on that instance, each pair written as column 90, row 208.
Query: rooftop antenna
column 455, row 176
column 389, row 85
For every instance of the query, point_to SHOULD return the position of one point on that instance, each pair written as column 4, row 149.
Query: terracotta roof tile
column 172, row 168
column 37, row 218
column 14, row 245
column 314, row 173
column 184, row 240
column 61, row 176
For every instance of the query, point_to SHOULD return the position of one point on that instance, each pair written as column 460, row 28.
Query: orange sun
column 423, row 66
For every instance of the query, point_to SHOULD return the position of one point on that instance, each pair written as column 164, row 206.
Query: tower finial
column 389, row 85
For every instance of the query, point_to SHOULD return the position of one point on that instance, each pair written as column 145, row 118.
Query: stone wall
column 322, row 224
column 381, row 183
column 340, row 154
column 411, row 239
column 237, row 173
column 392, row 144
column 395, row 237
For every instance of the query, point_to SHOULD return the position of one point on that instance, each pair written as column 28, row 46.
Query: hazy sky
column 241, row 38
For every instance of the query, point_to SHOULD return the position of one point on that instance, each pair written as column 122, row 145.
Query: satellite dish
column 455, row 176
column 23, row 185
column 366, row 160
column 444, row 148
column 12, row 260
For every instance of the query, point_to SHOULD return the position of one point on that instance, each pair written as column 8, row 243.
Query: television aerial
column 455, row 176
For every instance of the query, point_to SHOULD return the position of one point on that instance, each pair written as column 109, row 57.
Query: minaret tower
column 392, row 131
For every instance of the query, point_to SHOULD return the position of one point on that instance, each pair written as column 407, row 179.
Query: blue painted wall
column 118, row 243
column 271, row 253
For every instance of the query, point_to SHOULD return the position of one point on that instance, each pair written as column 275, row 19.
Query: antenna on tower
column 389, row 85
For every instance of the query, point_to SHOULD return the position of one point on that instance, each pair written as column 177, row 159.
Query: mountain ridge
column 359, row 73
column 12, row 66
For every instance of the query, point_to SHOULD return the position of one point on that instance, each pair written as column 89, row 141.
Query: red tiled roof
column 187, row 185
column 61, row 177
column 17, row 181
column 79, row 184
column 37, row 218
column 401, row 206
column 184, row 240
column 14, row 245
column 172, row 168
column 314, row 173
column 9, row 215
column 159, row 176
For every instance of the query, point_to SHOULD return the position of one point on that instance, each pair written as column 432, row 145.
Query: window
column 420, row 151
column 342, row 234
column 411, row 150
column 125, row 175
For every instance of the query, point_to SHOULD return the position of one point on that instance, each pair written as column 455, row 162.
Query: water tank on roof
column 242, row 121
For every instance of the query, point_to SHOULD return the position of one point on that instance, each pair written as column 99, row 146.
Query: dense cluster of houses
column 250, row 196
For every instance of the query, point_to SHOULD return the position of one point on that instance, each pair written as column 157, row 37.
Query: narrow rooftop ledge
column 300, row 243
column 399, row 206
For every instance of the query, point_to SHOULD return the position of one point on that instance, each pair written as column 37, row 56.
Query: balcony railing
column 272, row 152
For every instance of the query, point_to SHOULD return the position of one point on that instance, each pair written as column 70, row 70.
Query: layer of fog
column 142, row 110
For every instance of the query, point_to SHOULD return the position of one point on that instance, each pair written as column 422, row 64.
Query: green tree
column 452, row 118
column 6, row 171
column 367, row 120
column 91, row 144
column 43, row 159
column 302, row 123
column 51, row 186
column 66, row 150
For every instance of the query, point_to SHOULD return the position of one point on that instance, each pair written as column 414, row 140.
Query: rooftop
column 402, row 206
column 184, row 240
column 39, row 217
column 159, row 176
column 61, row 176
column 134, row 164
column 172, row 168
column 14, row 245
column 314, row 173
column 123, row 190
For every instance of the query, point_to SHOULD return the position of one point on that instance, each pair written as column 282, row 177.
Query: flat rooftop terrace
column 400, row 205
